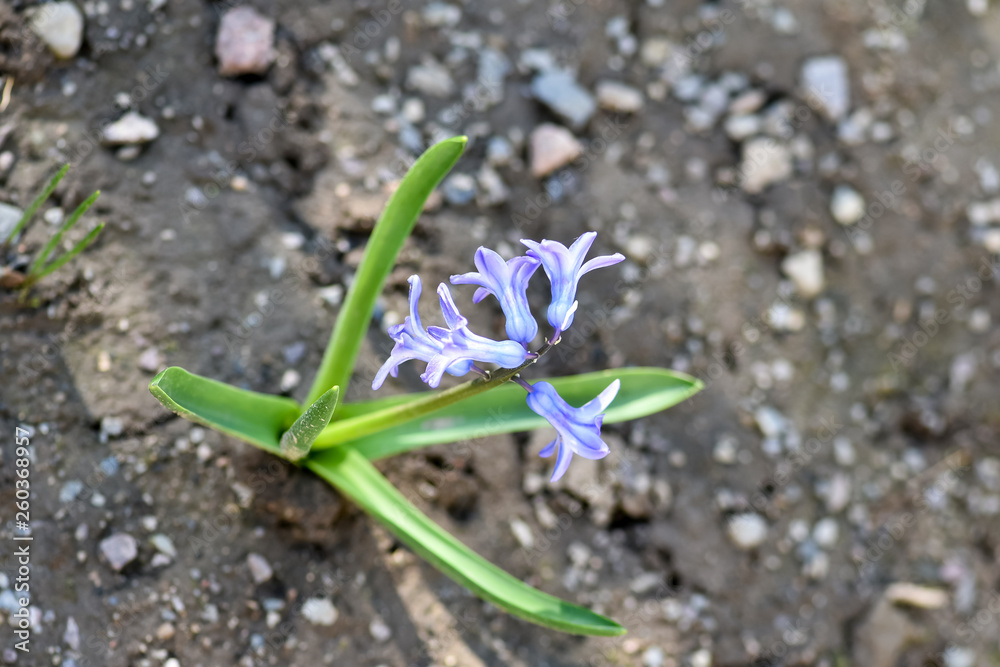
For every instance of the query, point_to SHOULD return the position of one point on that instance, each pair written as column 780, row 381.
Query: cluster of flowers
column 456, row 350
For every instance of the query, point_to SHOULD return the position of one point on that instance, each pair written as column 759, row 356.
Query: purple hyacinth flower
column 459, row 345
column 578, row 430
column 564, row 266
column 508, row 282
column 412, row 342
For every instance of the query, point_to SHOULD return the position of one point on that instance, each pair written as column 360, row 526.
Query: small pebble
column 825, row 82
column 747, row 531
column 847, row 206
column 132, row 128
column 560, row 92
column 260, row 569
column 552, row 147
column 290, row 379
column 150, row 360
column 245, row 42
column 379, row 631
column 60, row 26
column 616, row 96
column 119, row 550
column 805, row 269
column 319, row 611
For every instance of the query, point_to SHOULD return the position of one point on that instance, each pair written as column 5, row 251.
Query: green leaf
column 356, row 478
column 35, row 205
column 259, row 419
column 54, row 241
column 643, row 392
column 299, row 438
column 387, row 238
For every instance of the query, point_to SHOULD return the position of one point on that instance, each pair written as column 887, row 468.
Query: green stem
column 357, row 427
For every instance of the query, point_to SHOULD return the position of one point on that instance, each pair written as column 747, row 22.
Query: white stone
column 765, row 161
column 616, row 96
column 552, row 147
column 119, row 550
column 245, row 42
column 740, row 127
column 9, row 217
column 914, row 595
column 747, row 531
column 319, row 611
column 260, row 569
column 164, row 545
column 653, row 657
column 131, row 128
column 770, row 422
column 430, row 78
column 379, row 631
column 522, row 533
column 60, row 26
column 826, row 86
column 826, row 532
column 805, row 269
column 847, row 205
column 290, row 380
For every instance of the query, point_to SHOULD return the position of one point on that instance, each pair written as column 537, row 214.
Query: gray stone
column 430, row 78
column 245, row 42
column 9, row 217
column 60, row 26
column 459, row 189
column 747, row 531
column 560, row 92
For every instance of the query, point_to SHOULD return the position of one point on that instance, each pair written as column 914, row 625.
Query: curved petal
column 601, row 262
column 562, row 463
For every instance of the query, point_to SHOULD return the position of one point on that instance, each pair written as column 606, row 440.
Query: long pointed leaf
column 259, row 419
column 57, row 237
column 299, row 438
column 57, row 263
column 355, row 477
column 391, row 230
column 644, row 391
column 35, row 205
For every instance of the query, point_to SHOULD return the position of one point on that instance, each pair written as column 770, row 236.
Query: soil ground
column 856, row 422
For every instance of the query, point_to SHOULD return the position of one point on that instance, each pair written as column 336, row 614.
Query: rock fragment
column 847, row 206
column 747, row 530
column 260, row 569
column 805, row 269
column 765, row 162
column 826, row 86
column 132, row 128
column 616, row 96
column 319, row 611
column 560, row 92
column 552, row 147
column 60, row 26
column 245, row 42
column 119, row 550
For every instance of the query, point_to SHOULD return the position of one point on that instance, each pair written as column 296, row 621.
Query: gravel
column 319, row 611
column 747, row 531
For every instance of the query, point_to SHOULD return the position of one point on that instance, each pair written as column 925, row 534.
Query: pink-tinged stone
column 245, row 44
column 552, row 147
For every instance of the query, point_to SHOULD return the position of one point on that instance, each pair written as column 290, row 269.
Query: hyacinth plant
column 41, row 266
column 340, row 440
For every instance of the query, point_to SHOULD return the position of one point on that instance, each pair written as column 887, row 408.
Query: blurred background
column 807, row 194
